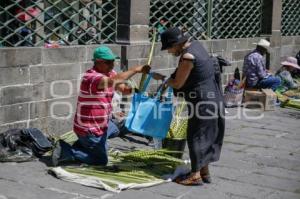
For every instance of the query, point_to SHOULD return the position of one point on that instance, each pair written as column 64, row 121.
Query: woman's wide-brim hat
column 291, row 61
column 171, row 37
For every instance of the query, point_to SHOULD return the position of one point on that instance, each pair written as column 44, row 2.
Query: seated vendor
column 289, row 66
column 255, row 69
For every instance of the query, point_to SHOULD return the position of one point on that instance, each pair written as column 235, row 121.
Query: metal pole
column 209, row 18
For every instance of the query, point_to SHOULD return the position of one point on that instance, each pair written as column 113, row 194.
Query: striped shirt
column 94, row 106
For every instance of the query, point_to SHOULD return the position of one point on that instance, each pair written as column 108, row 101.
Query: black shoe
column 56, row 154
column 59, row 155
column 150, row 141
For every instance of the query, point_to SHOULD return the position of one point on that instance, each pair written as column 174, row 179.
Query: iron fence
column 63, row 22
column 236, row 19
column 189, row 15
column 72, row 22
column 203, row 19
column 290, row 17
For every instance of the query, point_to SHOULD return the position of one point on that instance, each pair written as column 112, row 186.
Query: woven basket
column 233, row 97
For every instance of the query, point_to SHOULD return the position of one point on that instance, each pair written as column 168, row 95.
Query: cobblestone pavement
column 260, row 160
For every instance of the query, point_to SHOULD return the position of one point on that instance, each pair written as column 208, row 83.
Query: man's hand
column 142, row 69
column 158, row 76
column 120, row 114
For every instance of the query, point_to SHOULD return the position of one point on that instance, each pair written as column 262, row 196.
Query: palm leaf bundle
column 178, row 128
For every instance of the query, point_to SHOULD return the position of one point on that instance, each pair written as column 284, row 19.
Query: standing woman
column 195, row 78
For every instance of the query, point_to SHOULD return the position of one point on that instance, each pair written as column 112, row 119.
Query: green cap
column 105, row 53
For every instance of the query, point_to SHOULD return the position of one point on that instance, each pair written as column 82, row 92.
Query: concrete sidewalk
column 260, row 160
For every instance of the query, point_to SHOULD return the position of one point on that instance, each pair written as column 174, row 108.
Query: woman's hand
column 158, row 76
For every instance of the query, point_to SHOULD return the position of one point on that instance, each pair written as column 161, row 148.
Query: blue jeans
column 92, row 149
column 269, row 82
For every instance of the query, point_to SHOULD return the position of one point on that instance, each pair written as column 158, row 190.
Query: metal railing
column 236, row 19
column 63, row 22
column 73, row 22
column 290, row 17
column 204, row 19
column 189, row 15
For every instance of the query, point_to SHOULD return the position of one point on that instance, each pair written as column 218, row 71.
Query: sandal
column 204, row 172
column 189, row 181
column 207, row 179
column 182, row 177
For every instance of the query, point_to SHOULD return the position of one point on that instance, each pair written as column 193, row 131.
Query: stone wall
column 290, row 46
column 39, row 87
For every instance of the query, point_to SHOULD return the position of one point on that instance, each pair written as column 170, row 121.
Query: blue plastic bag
column 150, row 116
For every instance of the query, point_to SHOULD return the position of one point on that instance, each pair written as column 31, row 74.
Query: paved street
column 260, row 160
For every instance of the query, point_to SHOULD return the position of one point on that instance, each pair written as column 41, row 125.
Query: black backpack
column 31, row 138
column 37, row 141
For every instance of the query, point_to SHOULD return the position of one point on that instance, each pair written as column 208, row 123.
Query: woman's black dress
column 206, row 124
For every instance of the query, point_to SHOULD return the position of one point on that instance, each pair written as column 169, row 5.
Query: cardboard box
column 265, row 99
column 254, row 99
column 270, row 101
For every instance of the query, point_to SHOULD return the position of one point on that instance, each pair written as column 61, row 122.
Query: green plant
column 178, row 128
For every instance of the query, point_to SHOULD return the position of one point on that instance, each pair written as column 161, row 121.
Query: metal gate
column 204, row 19
column 291, row 17
column 66, row 22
